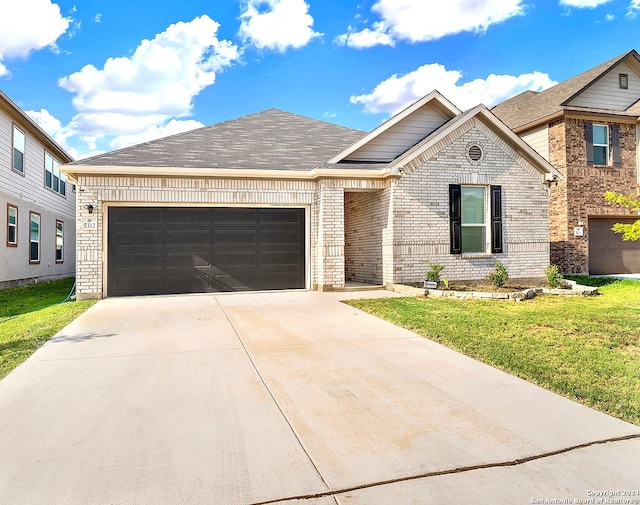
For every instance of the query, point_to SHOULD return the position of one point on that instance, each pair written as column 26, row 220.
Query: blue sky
column 99, row 75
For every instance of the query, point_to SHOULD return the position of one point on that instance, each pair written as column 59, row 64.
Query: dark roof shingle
column 271, row 139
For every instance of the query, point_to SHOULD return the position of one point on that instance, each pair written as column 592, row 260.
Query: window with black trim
column 53, row 179
column 18, row 149
column 475, row 227
column 59, row 241
column 602, row 144
column 12, row 225
column 34, row 237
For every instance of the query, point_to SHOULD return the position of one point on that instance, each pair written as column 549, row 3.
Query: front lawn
column 29, row 316
column 585, row 348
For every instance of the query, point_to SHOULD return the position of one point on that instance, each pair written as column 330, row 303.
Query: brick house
column 588, row 127
column 274, row 200
column 37, row 204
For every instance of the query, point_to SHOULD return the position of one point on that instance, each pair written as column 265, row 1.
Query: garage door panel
column 187, row 237
column 186, row 260
column 235, row 237
column 180, row 250
column 235, row 216
column 139, row 261
column 137, row 238
column 140, row 215
column 188, row 216
column 242, row 260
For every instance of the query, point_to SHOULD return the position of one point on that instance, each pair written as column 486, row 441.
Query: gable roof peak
column 529, row 107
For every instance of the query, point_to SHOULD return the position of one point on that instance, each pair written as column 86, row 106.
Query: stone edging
column 575, row 290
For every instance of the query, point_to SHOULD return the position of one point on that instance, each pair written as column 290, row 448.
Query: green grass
column 29, row 316
column 585, row 348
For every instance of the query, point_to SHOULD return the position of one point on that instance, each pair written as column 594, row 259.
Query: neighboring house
column 37, row 204
column 274, row 200
column 589, row 129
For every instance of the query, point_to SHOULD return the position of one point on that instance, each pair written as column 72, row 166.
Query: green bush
column 433, row 274
column 499, row 276
column 554, row 277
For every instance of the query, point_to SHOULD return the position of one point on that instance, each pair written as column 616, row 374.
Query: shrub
column 499, row 276
column 433, row 274
column 554, row 277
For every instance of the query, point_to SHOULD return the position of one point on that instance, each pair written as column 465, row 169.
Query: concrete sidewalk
column 287, row 397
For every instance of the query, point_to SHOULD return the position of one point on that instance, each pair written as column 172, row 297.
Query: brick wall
column 366, row 217
column 582, row 195
column 104, row 191
column 421, row 209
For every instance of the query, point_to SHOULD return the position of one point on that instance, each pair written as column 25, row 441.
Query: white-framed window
column 53, row 179
column 600, row 144
column 34, row 237
column 18, row 149
column 59, row 241
column 12, row 225
column 474, row 219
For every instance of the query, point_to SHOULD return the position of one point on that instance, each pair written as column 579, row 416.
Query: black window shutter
column 496, row 219
column 615, row 143
column 588, row 137
column 455, row 218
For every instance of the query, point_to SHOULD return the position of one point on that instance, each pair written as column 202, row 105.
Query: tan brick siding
column 421, row 209
column 366, row 216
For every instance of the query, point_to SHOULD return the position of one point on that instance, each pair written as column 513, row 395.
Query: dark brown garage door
column 195, row 250
column 608, row 253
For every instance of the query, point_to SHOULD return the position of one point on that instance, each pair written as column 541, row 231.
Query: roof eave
column 76, row 171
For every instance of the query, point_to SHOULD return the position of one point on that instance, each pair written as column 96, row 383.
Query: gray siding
column 401, row 137
column 28, row 193
column 539, row 140
column 606, row 93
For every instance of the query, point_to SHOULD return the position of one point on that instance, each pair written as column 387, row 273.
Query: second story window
column 18, row 149
column 600, row 144
column 53, row 179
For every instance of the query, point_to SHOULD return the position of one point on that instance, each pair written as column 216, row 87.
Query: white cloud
column 397, row 92
column 98, row 18
column 27, row 26
column 421, row 21
column 140, row 95
column 277, row 24
column 583, row 4
column 634, row 7
column 366, row 38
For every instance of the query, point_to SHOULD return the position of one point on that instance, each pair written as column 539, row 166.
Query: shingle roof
column 271, row 139
column 530, row 106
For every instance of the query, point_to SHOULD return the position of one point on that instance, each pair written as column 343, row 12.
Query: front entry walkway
column 286, row 397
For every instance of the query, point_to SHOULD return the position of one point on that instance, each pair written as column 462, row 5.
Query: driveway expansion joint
column 439, row 473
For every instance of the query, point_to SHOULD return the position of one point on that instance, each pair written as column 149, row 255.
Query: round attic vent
column 474, row 153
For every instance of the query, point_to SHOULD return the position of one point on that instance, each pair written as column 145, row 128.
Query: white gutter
column 73, row 171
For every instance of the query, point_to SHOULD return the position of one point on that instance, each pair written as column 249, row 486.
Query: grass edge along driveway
column 31, row 315
column 584, row 348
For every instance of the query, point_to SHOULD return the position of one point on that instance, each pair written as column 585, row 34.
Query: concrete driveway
column 291, row 398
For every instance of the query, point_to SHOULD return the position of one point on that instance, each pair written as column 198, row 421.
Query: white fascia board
column 434, row 95
column 73, row 171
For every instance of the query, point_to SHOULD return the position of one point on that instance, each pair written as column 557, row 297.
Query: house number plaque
column 89, row 224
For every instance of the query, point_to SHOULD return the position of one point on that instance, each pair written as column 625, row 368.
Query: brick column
column 330, row 257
